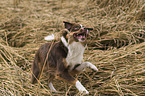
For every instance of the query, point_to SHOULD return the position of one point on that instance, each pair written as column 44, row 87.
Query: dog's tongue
column 81, row 36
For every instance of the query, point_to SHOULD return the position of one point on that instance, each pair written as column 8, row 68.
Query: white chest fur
column 75, row 54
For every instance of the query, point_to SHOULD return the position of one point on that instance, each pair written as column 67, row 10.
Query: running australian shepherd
column 65, row 57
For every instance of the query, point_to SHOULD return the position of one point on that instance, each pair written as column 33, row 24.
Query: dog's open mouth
column 80, row 36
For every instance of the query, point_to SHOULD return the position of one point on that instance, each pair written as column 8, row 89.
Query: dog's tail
column 57, row 35
column 35, row 70
column 50, row 37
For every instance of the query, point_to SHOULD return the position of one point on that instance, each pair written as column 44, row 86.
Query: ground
column 116, row 45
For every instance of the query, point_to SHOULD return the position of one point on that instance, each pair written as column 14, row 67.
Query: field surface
column 116, row 45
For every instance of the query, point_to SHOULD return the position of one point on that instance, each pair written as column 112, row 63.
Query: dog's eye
column 76, row 28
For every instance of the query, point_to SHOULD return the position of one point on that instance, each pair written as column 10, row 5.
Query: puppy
column 65, row 57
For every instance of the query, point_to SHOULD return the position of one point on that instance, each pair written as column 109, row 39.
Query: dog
column 65, row 57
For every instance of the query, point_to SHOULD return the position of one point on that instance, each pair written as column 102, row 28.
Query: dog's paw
column 52, row 87
column 94, row 67
column 90, row 65
column 85, row 92
column 81, row 88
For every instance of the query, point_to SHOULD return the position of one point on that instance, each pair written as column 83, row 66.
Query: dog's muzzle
column 81, row 35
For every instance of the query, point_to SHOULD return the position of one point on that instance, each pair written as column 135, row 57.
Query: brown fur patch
column 71, row 81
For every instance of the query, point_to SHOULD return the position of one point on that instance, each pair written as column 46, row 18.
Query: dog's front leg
column 86, row 64
column 65, row 76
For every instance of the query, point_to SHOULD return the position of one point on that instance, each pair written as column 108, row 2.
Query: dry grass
column 116, row 46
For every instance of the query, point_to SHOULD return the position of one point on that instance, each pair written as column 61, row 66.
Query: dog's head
column 76, row 32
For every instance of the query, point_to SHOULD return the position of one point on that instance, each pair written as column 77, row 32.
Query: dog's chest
column 75, row 54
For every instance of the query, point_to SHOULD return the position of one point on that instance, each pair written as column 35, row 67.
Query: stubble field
column 116, row 45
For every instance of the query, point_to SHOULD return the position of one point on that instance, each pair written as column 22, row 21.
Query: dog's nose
column 83, row 30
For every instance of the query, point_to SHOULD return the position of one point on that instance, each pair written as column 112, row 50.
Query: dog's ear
column 67, row 25
column 89, row 29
